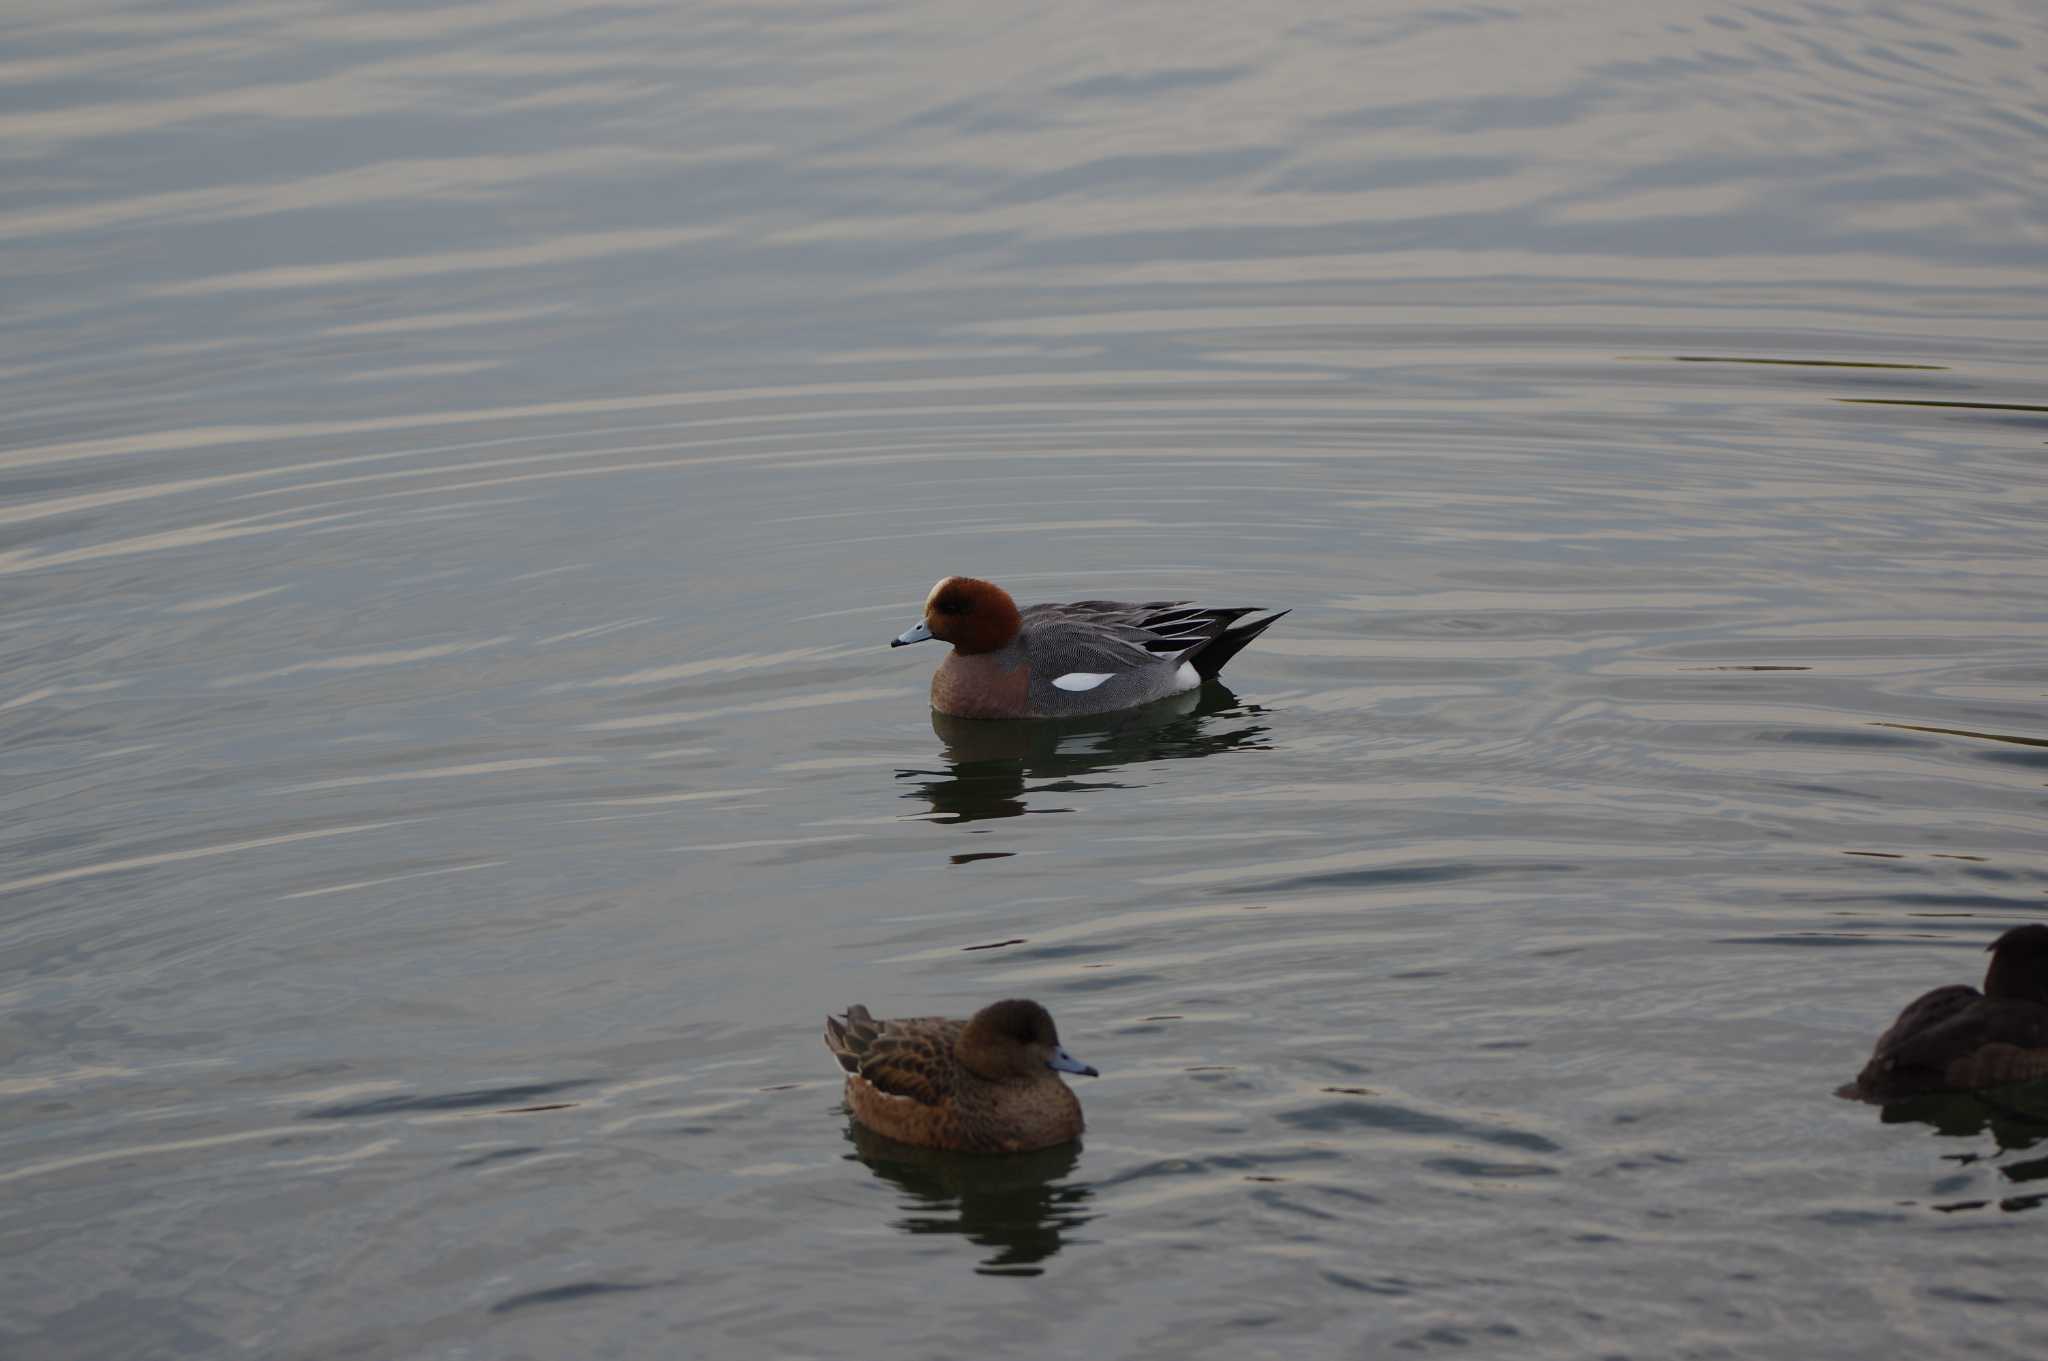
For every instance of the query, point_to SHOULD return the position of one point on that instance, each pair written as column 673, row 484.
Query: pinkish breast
column 981, row 687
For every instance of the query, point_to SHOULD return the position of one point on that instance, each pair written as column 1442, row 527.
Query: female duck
column 1958, row 1039
column 1063, row 661
column 986, row 1085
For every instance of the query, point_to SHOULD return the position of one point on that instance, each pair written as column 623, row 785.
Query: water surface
column 463, row 464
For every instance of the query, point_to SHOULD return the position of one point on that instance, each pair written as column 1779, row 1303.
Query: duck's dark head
column 1015, row 1039
column 2019, row 965
column 973, row 615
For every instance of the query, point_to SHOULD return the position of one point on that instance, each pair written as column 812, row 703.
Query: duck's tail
column 848, row 1038
column 1210, row 658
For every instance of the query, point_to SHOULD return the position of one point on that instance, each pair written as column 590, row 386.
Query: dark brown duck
column 1957, row 1039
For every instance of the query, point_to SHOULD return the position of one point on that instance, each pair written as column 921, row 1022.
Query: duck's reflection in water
column 992, row 766
column 2016, row 1118
column 1014, row 1203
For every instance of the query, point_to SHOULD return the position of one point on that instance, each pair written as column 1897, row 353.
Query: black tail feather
column 1227, row 644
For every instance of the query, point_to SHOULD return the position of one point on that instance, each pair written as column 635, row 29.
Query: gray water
column 462, row 464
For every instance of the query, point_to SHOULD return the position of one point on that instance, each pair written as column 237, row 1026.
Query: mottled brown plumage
column 984, row 1085
column 1956, row 1038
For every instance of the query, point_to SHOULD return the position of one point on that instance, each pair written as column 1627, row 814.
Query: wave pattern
column 464, row 463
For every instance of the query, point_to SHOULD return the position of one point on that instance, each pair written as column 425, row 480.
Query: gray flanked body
column 1096, row 656
column 1070, row 660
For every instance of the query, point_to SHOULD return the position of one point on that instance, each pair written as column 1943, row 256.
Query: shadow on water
column 1014, row 1203
column 2016, row 1118
column 990, row 764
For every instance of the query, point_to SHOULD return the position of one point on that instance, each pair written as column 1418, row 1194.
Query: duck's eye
column 950, row 605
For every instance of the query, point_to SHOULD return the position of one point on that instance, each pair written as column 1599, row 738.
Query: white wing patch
column 1082, row 680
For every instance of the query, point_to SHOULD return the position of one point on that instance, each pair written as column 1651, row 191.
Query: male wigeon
column 986, row 1085
column 1063, row 661
column 1959, row 1039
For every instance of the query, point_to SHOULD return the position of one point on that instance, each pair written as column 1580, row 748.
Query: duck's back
column 1957, row 1039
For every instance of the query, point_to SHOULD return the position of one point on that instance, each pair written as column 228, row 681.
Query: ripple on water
column 514, row 456
column 566, row 1294
column 511, row 1100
